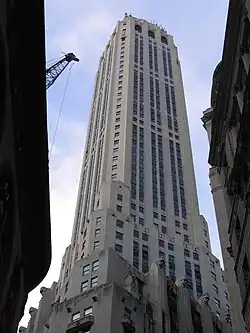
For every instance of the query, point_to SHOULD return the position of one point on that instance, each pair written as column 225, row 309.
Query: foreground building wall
column 222, row 208
column 229, row 156
column 124, row 300
column 25, row 246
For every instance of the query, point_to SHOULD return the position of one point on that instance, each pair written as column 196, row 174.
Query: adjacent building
column 227, row 123
column 137, row 193
column 25, row 246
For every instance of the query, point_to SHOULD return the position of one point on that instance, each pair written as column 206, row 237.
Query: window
column 96, row 244
column 84, row 285
column 115, row 158
column 133, row 217
column 114, row 175
column 119, row 208
column 141, row 209
column 76, row 316
column 155, row 215
column 115, row 150
column 161, row 254
column 228, row 308
column 206, row 243
column 186, row 253
column 119, row 224
column 119, row 235
column 246, row 272
column 98, row 220
column 177, row 224
column 117, row 134
column 161, row 242
column 136, row 233
column 118, row 248
column 163, row 230
column 95, row 266
column 212, row 263
column 85, row 270
column 205, row 232
column 116, row 142
column 217, row 302
column 117, row 127
column 196, row 256
column 133, row 206
column 226, row 295
column 215, row 288
column 171, row 246
column 141, row 220
column 213, row 275
column 88, row 311
column 94, row 281
column 151, row 34
column 119, row 197
column 186, row 238
column 163, row 218
column 164, row 40
column 145, row 237
column 185, row 226
column 97, row 232
column 218, row 314
column 117, row 119
column 138, row 28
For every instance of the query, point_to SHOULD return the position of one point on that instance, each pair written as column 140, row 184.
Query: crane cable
column 60, row 111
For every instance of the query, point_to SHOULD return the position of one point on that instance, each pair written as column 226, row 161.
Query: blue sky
column 83, row 28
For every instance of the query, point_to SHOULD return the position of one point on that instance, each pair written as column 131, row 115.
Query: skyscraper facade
column 137, row 190
column 137, row 194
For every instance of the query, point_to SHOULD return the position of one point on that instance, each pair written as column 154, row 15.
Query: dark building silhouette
column 25, row 238
column 230, row 142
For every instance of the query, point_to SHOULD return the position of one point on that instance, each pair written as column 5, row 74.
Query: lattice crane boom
column 56, row 69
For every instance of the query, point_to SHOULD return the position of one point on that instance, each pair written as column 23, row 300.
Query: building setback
column 137, row 192
column 123, row 300
column 227, row 123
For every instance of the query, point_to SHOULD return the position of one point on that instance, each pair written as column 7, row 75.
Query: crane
column 56, row 69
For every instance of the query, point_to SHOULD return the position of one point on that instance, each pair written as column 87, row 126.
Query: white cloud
column 86, row 36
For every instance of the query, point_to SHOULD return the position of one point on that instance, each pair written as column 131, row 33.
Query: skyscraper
column 137, row 193
column 137, row 190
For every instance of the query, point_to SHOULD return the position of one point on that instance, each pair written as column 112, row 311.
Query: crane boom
column 56, row 69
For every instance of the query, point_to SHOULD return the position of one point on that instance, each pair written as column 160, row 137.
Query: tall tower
column 137, row 203
column 137, row 191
